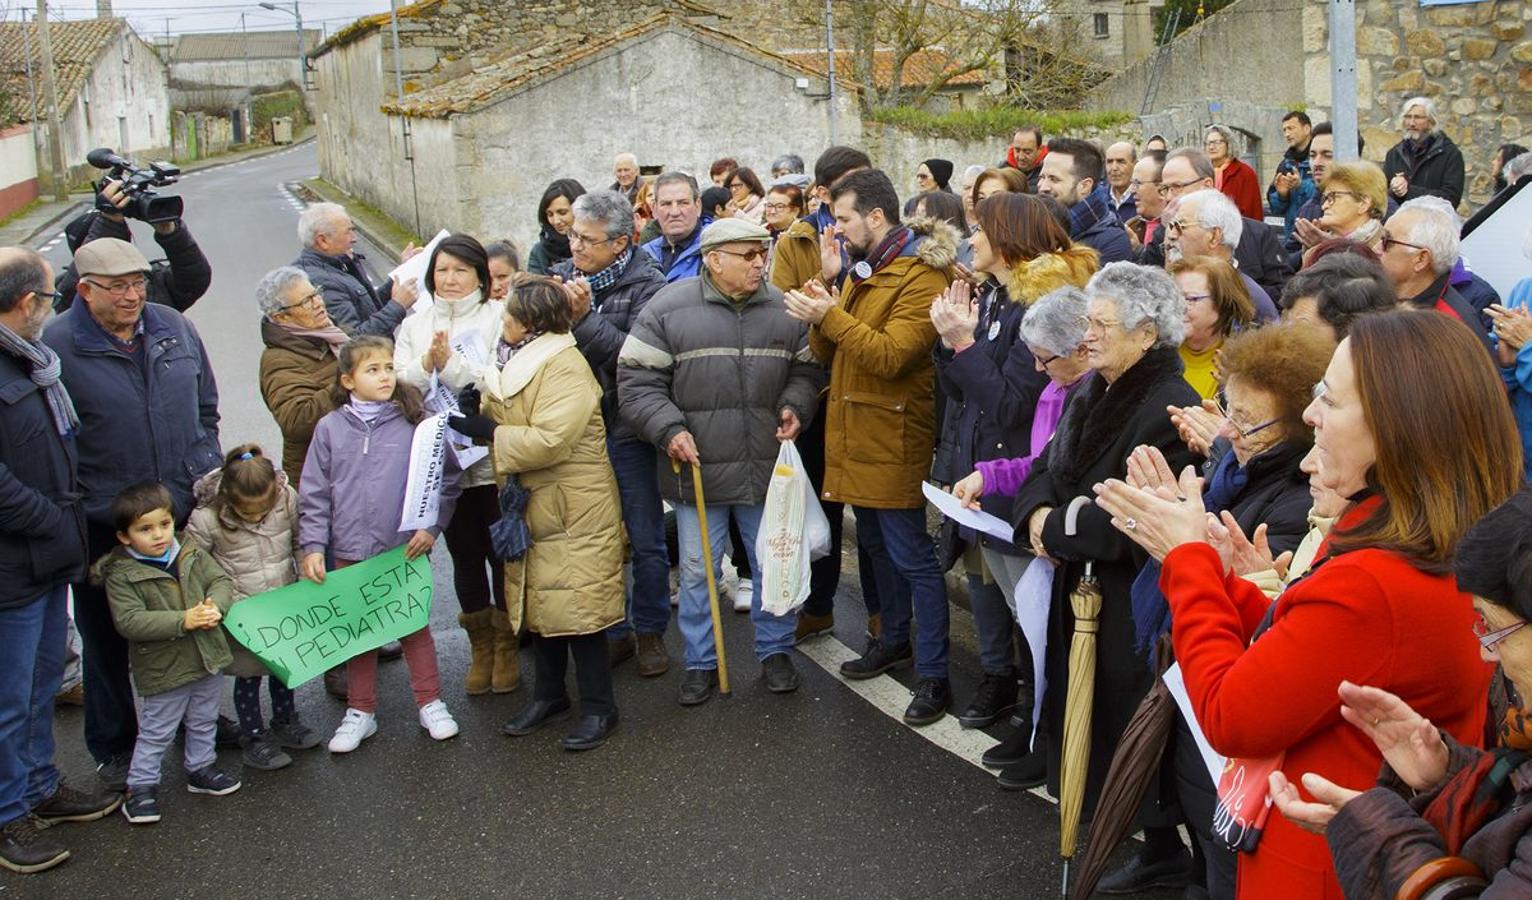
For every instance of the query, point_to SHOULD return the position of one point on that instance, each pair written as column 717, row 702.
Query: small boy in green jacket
column 168, row 603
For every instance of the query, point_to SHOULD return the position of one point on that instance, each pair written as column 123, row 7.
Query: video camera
column 143, row 203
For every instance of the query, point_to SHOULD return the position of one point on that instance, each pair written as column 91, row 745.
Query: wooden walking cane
column 712, row 584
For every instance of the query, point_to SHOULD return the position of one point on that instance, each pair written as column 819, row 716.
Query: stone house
column 113, row 88
column 1249, row 63
column 486, row 141
column 220, row 71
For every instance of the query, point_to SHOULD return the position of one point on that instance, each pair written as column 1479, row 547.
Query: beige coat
column 258, row 556
column 548, row 408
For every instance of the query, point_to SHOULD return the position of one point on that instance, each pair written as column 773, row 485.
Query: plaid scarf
column 1092, row 208
column 609, row 275
column 46, row 369
column 881, row 255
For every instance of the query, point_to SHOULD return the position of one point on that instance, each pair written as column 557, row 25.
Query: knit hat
column 941, row 171
column 108, row 257
column 729, row 231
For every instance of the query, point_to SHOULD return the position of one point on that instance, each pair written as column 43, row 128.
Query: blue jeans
column 909, row 581
column 32, row 643
column 643, row 515
column 773, row 634
column 994, row 626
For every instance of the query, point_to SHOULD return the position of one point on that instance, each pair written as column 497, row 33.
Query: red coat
column 1366, row 616
column 1240, row 185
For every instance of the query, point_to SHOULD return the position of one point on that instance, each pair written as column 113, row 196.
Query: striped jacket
column 695, row 361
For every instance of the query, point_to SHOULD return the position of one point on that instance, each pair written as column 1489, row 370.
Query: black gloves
column 468, row 401
column 480, row 428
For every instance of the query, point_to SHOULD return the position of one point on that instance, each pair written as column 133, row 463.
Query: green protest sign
column 303, row 629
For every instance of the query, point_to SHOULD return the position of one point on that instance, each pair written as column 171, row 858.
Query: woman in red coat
column 1411, row 425
column 1231, row 176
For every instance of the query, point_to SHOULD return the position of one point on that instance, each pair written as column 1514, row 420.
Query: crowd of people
column 1289, row 456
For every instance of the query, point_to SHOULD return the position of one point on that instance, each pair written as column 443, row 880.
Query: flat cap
column 109, row 256
column 729, row 231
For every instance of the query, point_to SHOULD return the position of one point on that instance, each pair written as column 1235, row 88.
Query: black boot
column 1010, row 751
column 995, row 697
column 932, row 698
column 878, row 659
column 590, row 732
column 1025, row 775
column 535, row 715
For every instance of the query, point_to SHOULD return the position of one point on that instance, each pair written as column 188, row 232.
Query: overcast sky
column 188, row 16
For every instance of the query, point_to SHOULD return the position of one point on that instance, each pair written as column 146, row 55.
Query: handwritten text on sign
column 303, row 629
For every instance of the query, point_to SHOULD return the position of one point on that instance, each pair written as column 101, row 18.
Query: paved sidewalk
column 39, row 227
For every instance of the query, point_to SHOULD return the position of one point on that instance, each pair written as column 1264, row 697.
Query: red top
column 1368, row 617
column 1238, row 182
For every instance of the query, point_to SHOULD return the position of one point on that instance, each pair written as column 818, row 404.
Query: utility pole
column 1343, row 78
column 830, row 55
column 37, row 135
column 51, row 92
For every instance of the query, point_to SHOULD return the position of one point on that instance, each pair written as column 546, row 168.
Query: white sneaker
column 743, row 595
column 435, row 718
column 356, row 727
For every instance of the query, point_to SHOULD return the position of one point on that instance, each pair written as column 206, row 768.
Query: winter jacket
column 257, row 556
column 551, row 437
column 880, row 427
column 1287, row 207
column 1126, row 209
column 551, row 249
column 297, row 382
column 1518, row 384
column 354, row 480
column 155, row 420
column 148, row 606
column 349, row 297
column 993, row 385
column 42, row 525
column 1435, row 172
column 1239, row 184
column 1362, row 616
column 601, row 333
column 1100, row 428
column 1441, row 297
column 795, row 259
column 1476, row 292
column 1006, row 476
column 687, row 263
column 177, row 281
column 696, row 361
column 1092, row 223
column 473, row 326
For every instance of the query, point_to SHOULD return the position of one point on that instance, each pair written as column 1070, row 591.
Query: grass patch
column 379, row 225
column 994, row 121
column 6, row 220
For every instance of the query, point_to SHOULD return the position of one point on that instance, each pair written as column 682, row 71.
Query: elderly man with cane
column 716, row 373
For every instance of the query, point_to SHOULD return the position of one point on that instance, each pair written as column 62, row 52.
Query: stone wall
column 899, row 152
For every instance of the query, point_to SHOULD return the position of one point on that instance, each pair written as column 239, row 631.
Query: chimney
column 103, row 9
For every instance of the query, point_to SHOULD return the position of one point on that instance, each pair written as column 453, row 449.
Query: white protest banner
column 415, row 268
column 428, row 461
column 439, row 399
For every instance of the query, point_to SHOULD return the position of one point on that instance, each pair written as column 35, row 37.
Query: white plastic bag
column 794, row 531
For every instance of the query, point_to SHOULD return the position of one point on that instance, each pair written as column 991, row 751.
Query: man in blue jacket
column 143, row 388
column 1294, row 184
column 1071, row 174
column 678, row 209
column 42, row 548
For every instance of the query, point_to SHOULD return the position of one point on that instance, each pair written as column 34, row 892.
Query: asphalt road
column 815, row 794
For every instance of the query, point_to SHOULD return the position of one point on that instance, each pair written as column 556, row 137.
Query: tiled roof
column 77, row 44
column 920, row 69
column 242, row 45
column 489, row 84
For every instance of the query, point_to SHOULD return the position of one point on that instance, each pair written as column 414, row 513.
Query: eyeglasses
column 1167, row 186
column 1197, row 298
column 51, row 296
column 758, row 253
column 1244, row 431
column 1214, row 142
column 1389, row 241
column 1178, row 225
column 576, row 237
column 1488, row 639
column 1329, row 197
column 1135, row 184
column 1044, row 362
column 777, row 207
column 121, row 288
column 313, row 300
column 1099, row 326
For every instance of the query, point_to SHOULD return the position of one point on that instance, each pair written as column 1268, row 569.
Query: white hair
column 1516, row 167
column 1056, row 321
column 271, row 290
column 1435, row 228
column 1142, row 294
column 1216, row 210
column 317, row 219
column 1425, row 103
column 971, row 173
column 625, row 157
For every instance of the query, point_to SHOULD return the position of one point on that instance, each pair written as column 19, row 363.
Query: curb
column 69, row 212
column 275, row 148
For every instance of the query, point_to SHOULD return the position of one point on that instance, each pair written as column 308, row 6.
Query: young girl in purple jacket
column 351, row 501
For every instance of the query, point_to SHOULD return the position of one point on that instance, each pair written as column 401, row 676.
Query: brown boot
column 810, row 625
column 481, row 640
column 507, row 675
column 652, row 658
column 620, row 650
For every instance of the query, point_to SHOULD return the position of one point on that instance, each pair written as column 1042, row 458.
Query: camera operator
column 177, row 281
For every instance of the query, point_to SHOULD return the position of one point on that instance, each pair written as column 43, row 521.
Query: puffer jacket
column 297, row 380
column 550, row 435
column 257, row 556
column 601, row 333
column 993, row 386
column 880, row 427
column 349, row 297
column 471, row 325
column 697, row 361
column 148, row 606
column 795, row 259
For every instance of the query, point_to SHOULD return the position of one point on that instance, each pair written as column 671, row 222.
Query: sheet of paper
column 952, row 508
column 1034, row 597
column 415, row 267
column 423, row 490
column 1210, row 757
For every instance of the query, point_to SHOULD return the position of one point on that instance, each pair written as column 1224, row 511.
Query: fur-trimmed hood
column 1051, row 271
column 936, row 242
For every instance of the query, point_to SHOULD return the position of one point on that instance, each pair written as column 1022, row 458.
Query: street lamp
column 297, row 14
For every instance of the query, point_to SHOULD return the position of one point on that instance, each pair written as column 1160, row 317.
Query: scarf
column 46, row 369
column 367, row 410
column 883, row 254
column 1414, row 152
column 1092, row 208
column 1474, row 796
column 332, row 336
column 555, row 245
column 163, row 560
column 504, row 351
column 609, row 275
